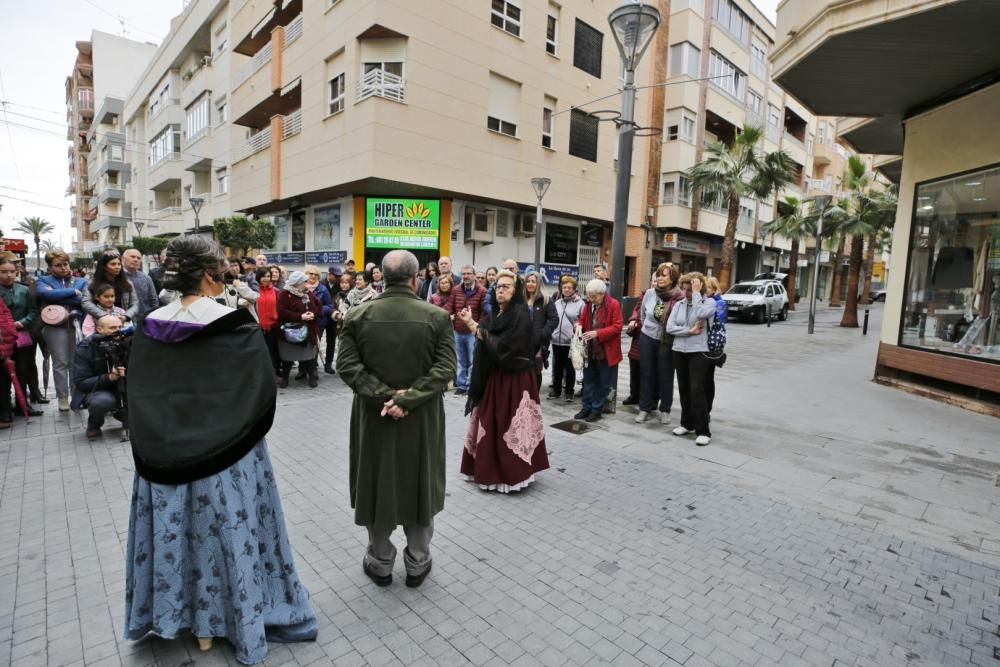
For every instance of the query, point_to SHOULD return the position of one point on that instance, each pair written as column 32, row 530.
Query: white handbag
column 578, row 348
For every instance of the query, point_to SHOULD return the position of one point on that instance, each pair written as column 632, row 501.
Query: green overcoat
column 397, row 342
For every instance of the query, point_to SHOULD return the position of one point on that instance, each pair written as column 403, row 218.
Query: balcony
column 292, row 124
column 109, row 221
column 379, row 83
column 110, row 194
column 165, row 173
column 280, row 14
column 253, row 66
column 167, row 214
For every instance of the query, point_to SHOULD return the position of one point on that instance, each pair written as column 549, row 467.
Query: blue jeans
column 465, row 343
column 596, row 385
column 100, row 404
column 656, row 367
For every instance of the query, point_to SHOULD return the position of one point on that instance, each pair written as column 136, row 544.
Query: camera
column 116, row 346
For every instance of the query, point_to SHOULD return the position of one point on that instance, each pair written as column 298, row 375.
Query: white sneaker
column 680, row 430
column 64, row 405
column 641, row 417
column 664, row 418
column 702, row 440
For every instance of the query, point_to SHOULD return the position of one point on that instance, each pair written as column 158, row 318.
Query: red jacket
column 633, row 350
column 457, row 301
column 609, row 328
column 267, row 307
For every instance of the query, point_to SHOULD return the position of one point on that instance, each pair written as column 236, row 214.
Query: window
column 503, row 223
column 821, row 132
column 506, row 16
column 587, row 49
column 337, row 95
column 685, row 58
column 382, row 71
column 547, row 121
column 583, row 135
column 952, row 296
column 809, row 144
column 280, row 233
column 669, row 188
column 165, row 144
column 197, row 118
column 681, row 124
column 326, row 228
column 159, row 101
column 755, row 106
column 298, row 230
column 221, row 41
column 773, row 117
column 725, row 76
column 222, row 113
column 117, row 153
column 222, row 180
column 505, row 97
column 732, row 19
column 758, row 59
column 552, row 29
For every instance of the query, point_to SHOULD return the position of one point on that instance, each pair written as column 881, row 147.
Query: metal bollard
column 864, row 328
column 768, row 316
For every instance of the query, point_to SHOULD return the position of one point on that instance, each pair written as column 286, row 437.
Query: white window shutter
column 505, row 96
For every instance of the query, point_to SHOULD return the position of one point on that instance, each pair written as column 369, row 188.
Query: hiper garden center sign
column 402, row 223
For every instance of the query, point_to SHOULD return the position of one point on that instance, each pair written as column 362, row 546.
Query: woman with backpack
column 713, row 291
column 688, row 324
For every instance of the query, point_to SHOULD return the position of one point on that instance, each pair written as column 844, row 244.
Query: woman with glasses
column 688, row 324
column 109, row 271
column 505, row 443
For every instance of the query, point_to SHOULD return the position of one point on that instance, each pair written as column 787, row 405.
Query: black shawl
column 199, row 405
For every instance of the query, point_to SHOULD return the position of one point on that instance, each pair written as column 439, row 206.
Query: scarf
column 357, row 296
column 301, row 293
column 674, row 294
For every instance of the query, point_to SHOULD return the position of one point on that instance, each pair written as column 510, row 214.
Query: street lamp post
column 632, row 26
column 541, row 186
column 822, row 202
column 196, row 203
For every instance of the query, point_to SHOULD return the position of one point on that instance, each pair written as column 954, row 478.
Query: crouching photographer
column 99, row 374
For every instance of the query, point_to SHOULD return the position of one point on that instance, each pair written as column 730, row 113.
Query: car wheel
column 760, row 316
column 783, row 315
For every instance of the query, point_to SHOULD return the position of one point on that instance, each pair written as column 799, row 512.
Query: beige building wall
column 956, row 137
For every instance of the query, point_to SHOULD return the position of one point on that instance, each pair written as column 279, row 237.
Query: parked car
column 878, row 295
column 753, row 300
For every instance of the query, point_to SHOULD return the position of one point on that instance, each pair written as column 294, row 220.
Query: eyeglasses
column 504, row 286
column 312, row 274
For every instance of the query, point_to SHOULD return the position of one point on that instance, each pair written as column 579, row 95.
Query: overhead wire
column 10, row 138
column 654, row 85
column 121, row 19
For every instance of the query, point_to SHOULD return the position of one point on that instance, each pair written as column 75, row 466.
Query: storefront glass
column 326, row 228
column 952, row 298
column 281, row 235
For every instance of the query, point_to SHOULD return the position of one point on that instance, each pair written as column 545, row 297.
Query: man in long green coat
column 397, row 353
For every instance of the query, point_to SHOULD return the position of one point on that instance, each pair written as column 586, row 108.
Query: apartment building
column 380, row 124
column 105, row 70
column 177, row 129
column 719, row 80
column 932, row 98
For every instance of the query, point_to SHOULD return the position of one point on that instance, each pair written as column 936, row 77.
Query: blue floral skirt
column 212, row 557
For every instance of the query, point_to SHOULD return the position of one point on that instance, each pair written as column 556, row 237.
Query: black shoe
column 631, row 400
column 461, row 392
column 594, row 416
column 329, row 370
column 41, row 400
column 313, row 380
column 570, row 396
column 34, row 413
column 93, row 430
column 582, row 414
column 4, row 422
column 379, row 579
column 283, row 383
column 301, row 375
column 555, row 394
column 414, row 580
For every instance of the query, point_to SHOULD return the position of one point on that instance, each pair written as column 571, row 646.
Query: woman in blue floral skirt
column 207, row 547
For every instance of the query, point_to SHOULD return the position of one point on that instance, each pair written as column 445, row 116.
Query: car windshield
column 746, row 289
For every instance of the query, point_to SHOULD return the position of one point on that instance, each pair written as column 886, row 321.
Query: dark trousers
column 657, row 372
column 99, row 404
column 271, row 338
column 306, row 368
column 331, row 344
column 24, row 366
column 596, row 385
column 634, row 378
column 563, row 373
column 710, row 389
column 692, row 373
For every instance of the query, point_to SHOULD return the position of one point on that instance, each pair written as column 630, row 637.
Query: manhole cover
column 575, row 427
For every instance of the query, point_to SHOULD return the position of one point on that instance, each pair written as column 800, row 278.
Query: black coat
column 543, row 322
column 90, row 371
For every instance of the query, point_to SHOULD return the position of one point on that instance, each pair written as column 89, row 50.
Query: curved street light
column 196, row 203
column 541, row 186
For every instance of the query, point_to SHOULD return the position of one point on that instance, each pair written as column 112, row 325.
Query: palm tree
column 47, row 245
column 882, row 220
column 36, row 227
column 739, row 170
column 795, row 225
column 856, row 225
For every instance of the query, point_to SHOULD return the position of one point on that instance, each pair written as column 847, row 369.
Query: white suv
column 755, row 299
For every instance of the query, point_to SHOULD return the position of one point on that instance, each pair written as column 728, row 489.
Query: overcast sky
column 37, row 50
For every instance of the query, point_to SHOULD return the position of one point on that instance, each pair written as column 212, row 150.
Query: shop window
column 506, row 16
column 281, row 233
column 952, row 299
column 326, row 228
column 583, row 135
column 561, row 243
column 298, row 231
column 588, row 44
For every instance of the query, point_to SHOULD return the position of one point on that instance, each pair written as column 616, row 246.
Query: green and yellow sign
column 413, row 224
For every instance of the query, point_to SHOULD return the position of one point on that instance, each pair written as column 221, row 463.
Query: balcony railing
column 293, row 30
column 262, row 58
column 168, row 157
column 172, row 102
column 293, row 124
column 167, row 212
column 794, row 140
column 255, row 144
column 379, row 83
column 744, row 225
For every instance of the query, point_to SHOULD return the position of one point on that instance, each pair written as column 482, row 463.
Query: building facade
column 105, row 70
column 933, row 128
column 383, row 124
column 177, row 126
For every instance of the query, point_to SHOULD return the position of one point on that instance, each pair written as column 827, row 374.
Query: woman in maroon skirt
column 505, row 444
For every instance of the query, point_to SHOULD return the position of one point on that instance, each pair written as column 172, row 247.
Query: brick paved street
column 831, row 521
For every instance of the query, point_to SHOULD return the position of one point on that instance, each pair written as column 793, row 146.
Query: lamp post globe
column 196, row 203
column 632, row 26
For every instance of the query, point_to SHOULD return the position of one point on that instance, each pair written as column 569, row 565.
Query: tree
column 36, row 227
column 795, row 225
column 242, row 234
column 739, row 170
column 47, row 246
column 882, row 220
column 149, row 245
column 856, row 225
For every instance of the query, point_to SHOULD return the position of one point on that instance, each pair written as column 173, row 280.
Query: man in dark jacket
column 397, row 452
column 95, row 379
column 145, row 288
column 467, row 294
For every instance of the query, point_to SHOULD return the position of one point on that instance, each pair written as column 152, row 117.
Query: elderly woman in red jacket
column 297, row 308
column 601, row 321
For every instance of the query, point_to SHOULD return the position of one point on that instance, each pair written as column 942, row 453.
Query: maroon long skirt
column 505, row 443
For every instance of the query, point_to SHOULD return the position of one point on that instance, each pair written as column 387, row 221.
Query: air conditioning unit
column 480, row 225
column 524, row 224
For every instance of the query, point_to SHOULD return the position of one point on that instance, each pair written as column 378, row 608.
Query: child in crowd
column 104, row 295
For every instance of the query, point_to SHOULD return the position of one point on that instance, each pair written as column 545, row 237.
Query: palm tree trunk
column 866, row 291
column 793, row 268
column 838, row 259
column 38, row 254
column 726, row 272
column 850, row 317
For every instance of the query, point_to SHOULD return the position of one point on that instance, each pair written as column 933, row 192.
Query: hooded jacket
column 566, row 312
